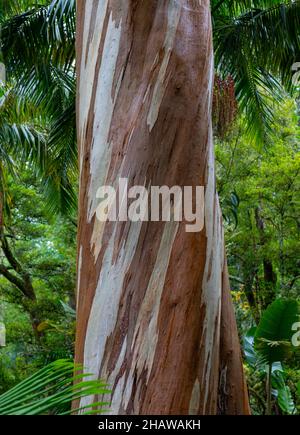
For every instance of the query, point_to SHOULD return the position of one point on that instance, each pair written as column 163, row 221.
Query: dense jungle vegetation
column 258, row 183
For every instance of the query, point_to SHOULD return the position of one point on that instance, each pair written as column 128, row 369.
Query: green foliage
column 273, row 337
column 283, row 393
column 263, row 248
column 256, row 42
column 52, row 390
column 230, row 207
column 46, row 247
column 267, row 184
column 38, row 47
column 250, row 353
column 257, row 362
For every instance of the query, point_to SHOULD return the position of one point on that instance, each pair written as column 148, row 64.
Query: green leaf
column 68, row 310
column 249, row 351
column 52, row 389
column 273, row 336
column 283, row 393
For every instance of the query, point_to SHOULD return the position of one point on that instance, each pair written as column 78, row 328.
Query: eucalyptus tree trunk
column 155, row 318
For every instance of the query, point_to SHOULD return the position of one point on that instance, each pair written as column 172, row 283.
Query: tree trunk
column 154, row 315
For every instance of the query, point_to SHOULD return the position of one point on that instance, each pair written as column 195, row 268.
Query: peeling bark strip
column 154, row 315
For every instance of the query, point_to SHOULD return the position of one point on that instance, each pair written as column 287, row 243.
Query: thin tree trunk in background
column 155, row 317
column 268, row 286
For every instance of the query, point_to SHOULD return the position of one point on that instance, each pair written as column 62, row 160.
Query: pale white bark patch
column 79, row 266
column 103, row 314
column 96, row 238
column 104, row 107
column 90, row 53
column 174, row 10
column 127, row 392
column 212, row 278
column 118, row 391
column 116, row 399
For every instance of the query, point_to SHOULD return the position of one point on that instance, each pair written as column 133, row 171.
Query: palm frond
column 22, row 136
column 257, row 47
column 61, row 175
column 52, row 390
column 16, row 7
column 49, row 147
column 39, row 52
column 237, row 7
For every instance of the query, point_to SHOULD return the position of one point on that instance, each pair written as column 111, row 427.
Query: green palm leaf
column 52, row 390
column 256, row 42
column 283, row 393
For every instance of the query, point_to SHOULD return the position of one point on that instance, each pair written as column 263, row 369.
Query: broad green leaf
column 274, row 333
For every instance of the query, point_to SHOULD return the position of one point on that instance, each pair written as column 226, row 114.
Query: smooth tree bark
column 155, row 318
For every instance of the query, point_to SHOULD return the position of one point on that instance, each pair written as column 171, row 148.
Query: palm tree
column 147, row 291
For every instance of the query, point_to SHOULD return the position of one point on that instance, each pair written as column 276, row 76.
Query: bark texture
column 154, row 312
